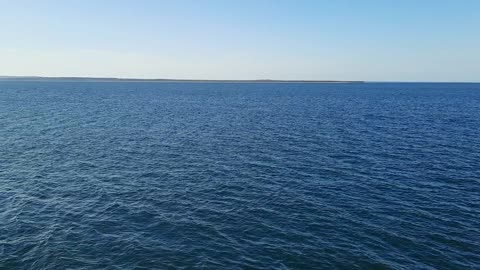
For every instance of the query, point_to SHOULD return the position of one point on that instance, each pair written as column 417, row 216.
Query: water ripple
column 236, row 176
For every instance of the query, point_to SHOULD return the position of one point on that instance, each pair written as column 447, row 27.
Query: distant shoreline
column 93, row 79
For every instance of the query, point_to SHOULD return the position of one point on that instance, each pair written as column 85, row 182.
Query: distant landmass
column 94, row 79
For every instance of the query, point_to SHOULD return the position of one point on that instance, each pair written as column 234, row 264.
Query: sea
column 172, row 175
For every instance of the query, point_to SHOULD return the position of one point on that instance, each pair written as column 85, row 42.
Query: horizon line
column 86, row 78
column 126, row 79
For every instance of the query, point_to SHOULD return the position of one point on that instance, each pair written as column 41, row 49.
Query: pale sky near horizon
column 245, row 39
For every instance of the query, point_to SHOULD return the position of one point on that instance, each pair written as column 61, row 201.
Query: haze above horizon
column 243, row 40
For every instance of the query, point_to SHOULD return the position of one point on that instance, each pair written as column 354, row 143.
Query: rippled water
column 234, row 176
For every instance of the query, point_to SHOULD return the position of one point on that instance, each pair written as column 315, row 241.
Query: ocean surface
column 135, row 175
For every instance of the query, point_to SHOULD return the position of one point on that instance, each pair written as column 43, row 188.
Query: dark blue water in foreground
column 236, row 176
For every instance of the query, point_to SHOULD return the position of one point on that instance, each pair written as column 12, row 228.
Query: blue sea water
column 131, row 175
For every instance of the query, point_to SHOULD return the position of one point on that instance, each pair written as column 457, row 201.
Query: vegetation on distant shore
column 93, row 79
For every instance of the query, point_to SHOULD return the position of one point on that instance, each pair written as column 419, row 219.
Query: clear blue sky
column 394, row 40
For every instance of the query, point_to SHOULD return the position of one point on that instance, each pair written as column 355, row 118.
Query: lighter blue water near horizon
column 123, row 175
